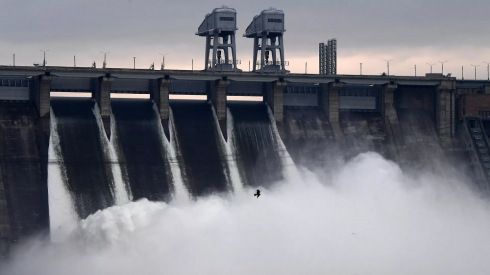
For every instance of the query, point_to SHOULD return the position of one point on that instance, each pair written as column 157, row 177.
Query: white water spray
column 181, row 192
column 370, row 218
column 62, row 215
column 290, row 172
column 120, row 191
column 118, row 171
column 231, row 169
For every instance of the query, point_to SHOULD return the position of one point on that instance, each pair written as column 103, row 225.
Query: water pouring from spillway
column 140, row 161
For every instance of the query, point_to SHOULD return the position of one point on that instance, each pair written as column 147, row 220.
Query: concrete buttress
column 42, row 100
column 217, row 96
column 274, row 94
column 390, row 117
column 42, row 94
column 160, row 95
column 102, row 95
column 445, row 111
column 330, row 105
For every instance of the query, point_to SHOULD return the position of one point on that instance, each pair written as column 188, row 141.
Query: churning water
column 365, row 217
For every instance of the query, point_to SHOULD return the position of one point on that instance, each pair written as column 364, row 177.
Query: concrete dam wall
column 23, row 173
column 65, row 160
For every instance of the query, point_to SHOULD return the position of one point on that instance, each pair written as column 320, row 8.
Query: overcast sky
column 411, row 33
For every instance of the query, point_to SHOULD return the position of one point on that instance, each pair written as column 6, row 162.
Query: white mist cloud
column 367, row 218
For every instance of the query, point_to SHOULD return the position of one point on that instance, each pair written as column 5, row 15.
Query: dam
column 110, row 151
column 64, row 159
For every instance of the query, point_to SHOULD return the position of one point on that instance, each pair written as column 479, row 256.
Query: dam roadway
column 317, row 117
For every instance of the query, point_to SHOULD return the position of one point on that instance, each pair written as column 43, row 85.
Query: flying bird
column 257, row 194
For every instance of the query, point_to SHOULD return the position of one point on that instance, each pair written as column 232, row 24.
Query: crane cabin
column 267, row 30
column 219, row 28
column 269, row 21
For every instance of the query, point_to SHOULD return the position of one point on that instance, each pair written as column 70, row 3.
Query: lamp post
column 431, row 66
column 134, row 62
column 163, row 60
column 442, row 63
column 488, row 69
column 475, row 69
column 388, row 65
column 360, row 69
column 44, row 59
column 104, row 64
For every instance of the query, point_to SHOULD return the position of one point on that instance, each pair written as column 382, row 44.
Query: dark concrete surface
column 90, row 179
column 23, row 171
column 258, row 155
column 201, row 155
column 140, row 150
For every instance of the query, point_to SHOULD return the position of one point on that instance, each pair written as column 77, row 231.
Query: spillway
column 140, row 150
column 421, row 143
column 88, row 176
column 308, row 137
column 198, row 148
column 365, row 132
column 258, row 150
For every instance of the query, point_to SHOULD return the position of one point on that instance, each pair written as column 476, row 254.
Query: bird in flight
column 257, row 194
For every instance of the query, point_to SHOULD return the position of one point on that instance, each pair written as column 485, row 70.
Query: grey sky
column 410, row 32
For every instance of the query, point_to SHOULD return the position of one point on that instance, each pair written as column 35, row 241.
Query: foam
column 367, row 218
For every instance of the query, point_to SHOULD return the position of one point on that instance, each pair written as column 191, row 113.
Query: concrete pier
column 42, row 89
column 330, row 100
column 389, row 114
column 102, row 95
column 217, row 96
column 273, row 95
column 330, row 105
column 160, row 95
column 445, row 111
column 42, row 99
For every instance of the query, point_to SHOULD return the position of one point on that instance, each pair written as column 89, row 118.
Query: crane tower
column 267, row 30
column 219, row 27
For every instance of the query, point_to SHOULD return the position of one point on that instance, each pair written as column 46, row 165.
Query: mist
column 364, row 217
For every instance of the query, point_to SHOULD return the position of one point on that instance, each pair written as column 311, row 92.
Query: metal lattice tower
column 333, row 56
column 219, row 27
column 328, row 57
column 322, row 53
column 267, row 30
